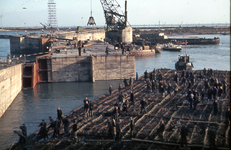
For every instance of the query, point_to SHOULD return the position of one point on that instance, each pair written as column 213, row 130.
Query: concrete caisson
column 10, row 86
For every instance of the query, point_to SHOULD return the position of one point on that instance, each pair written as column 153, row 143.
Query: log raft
column 93, row 131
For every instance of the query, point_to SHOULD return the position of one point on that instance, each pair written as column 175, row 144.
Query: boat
column 183, row 63
column 172, row 47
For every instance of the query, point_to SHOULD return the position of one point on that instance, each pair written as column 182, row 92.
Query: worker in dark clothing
column 214, row 92
column 125, row 106
column 57, row 128
column 86, row 106
column 215, row 110
column 143, row 105
column 153, row 85
column 184, row 133
column 162, row 91
column 169, row 90
column 183, row 81
column 66, row 124
column 109, row 125
column 125, row 83
column 145, row 75
column 118, row 131
column 116, row 113
column 196, row 99
column 43, row 130
column 161, row 130
column 86, row 109
column 59, row 114
column 132, row 98
column 23, row 136
column 220, row 91
column 189, row 84
column 132, row 127
column 210, row 93
column 107, row 50
column 212, row 137
column 90, row 109
column 110, row 89
column 183, row 73
column 51, row 124
column 74, row 130
column 80, row 50
column 150, row 76
column 176, row 78
column 203, row 93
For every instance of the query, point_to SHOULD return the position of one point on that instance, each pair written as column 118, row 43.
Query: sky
column 28, row 13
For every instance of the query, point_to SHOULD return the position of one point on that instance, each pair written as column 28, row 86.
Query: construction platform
column 93, row 131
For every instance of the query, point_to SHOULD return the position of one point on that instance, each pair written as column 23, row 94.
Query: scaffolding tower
column 52, row 21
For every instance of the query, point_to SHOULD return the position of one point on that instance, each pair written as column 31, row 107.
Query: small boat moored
column 172, row 47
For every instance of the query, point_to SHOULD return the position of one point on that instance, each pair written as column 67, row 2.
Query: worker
column 161, row 130
column 80, row 50
column 57, row 128
column 90, row 109
column 215, row 105
column 132, row 98
column 162, row 91
column 196, row 99
column 109, row 125
column 66, row 124
column 74, row 130
column 212, row 137
column 22, row 136
column 116, row 113
column 59, row 114
column 125, row 83
column 183, row 133
column 125, row 106
column 110, row 89
column 43, row 130
column 51, row 122
column 118, row 131
column 145, row 75
column 143, row 105
column 132, row 126
column 86, row 109
column 86, row 102
column 107, row 50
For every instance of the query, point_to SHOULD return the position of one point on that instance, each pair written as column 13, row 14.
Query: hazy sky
column 140, row 12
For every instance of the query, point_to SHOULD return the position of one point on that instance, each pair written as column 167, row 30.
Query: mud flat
column 93, row 131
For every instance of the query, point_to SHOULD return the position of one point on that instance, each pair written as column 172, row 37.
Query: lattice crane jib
column 115, row 17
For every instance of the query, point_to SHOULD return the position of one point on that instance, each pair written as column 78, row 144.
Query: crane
column 115, row 17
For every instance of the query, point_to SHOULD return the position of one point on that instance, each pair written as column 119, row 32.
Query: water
column 31, row 106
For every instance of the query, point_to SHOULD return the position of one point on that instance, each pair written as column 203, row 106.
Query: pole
column 126, row 13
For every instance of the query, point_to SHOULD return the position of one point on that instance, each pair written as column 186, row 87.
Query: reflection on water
column 31, row 106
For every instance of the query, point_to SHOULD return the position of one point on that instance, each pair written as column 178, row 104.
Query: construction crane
column 44, row 26
column 115, row 17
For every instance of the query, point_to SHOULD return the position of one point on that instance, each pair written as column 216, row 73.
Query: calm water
column 31, row 106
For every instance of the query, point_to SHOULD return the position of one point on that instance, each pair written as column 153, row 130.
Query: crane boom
column 115, row 17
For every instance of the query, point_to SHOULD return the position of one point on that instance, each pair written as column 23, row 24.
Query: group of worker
column 186, row 79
